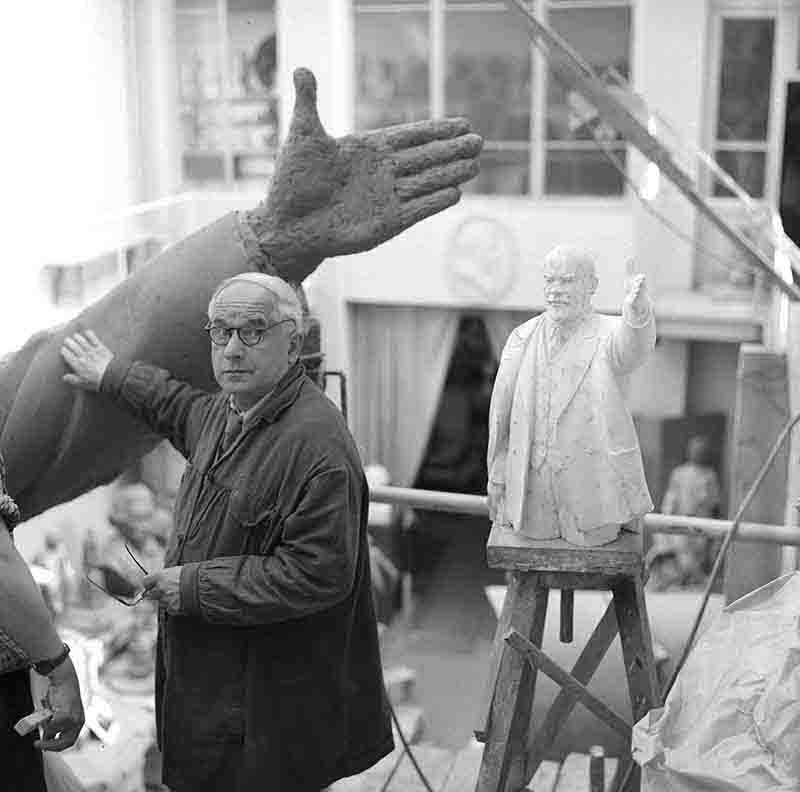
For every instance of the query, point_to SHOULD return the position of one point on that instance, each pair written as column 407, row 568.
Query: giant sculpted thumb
column 329, row 197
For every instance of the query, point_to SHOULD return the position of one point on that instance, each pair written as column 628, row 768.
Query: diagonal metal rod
column 574, row 71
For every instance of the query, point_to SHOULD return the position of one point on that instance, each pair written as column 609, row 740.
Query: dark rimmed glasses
column 249, row 335
column 128, row 603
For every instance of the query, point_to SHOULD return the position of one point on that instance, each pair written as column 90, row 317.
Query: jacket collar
column 270, row 406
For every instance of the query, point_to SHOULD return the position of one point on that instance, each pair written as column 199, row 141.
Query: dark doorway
column 789, row 201
column 455, row 458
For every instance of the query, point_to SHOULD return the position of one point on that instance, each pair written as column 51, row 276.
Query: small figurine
column 693, row 491
column 564, row 458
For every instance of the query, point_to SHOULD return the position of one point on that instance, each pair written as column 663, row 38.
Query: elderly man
column 268, row 671
column 563, row 456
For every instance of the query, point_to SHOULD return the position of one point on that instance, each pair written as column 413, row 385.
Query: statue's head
column 255, row 322
column 570, row 280
column 698, row 450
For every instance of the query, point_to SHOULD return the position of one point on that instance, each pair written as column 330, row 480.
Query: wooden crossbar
column 539, row 660
column 583, row 670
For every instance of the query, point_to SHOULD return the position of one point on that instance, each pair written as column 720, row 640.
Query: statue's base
column 512, row 551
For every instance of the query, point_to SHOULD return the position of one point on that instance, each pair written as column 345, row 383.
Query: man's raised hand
column 332, row 197
column 88, row 358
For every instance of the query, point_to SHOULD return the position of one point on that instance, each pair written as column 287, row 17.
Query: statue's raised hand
column 331, row 196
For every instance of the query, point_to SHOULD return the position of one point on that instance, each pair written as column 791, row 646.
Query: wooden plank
column 637, row 647
column 464, row 772
column 789, row 555
column 587, row 663
column 541, row 661
column 762, row 409
column 503, row 623
column 510, row 550
column 566, row 608
column 637, row 653
column 503, row 763
column 545, row 778
column 574, row 773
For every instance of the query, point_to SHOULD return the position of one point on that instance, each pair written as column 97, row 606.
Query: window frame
column 537, row 143
column 745, row 9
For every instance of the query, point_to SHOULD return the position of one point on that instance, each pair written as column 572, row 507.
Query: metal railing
column 475, row 505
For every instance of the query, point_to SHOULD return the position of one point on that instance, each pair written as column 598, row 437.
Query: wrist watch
column 46, row 667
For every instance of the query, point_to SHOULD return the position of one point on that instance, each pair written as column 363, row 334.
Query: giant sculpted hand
column 331, row 196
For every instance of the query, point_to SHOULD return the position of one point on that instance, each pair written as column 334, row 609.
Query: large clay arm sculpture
column 329, row 197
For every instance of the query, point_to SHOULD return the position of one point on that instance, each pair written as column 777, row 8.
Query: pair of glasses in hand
column 128, row 603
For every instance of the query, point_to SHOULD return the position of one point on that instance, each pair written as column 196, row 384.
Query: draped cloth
column 400, row 359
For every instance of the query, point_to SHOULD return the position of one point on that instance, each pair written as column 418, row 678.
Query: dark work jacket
column 270, row 676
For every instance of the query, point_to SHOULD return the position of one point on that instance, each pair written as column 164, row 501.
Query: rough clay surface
column 329, row 197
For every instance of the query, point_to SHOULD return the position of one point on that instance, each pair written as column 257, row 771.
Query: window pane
column 583, row 172
column 489, row 73
column 502, row 172
column 746, row 167
column 745, row 78
column 391, row 67
column 602, row 37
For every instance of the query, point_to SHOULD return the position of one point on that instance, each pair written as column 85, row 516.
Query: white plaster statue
column 564, row 458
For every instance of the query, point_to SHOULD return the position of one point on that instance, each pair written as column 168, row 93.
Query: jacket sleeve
column 169, row 407
column 500, row 412
column 632, row 340
column 312, row 568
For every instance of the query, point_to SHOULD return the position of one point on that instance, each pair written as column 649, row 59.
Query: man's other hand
column 88, row 358
column 63, row 697
column 164, row 587
column 331, row 197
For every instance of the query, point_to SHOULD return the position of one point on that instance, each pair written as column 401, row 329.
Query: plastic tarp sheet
column 731, row 722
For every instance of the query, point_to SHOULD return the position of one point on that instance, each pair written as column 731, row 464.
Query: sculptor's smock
column 561, row 437
column 269, row 676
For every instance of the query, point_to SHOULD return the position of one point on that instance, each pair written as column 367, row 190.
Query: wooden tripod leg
column 503, row 764
column 637, row 653
column 503, row 623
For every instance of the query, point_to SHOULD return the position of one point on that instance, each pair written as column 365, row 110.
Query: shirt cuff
column 114, row 375
column 190, row 594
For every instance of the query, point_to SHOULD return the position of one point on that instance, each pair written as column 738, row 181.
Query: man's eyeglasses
column 128, row 603
column 250, row 335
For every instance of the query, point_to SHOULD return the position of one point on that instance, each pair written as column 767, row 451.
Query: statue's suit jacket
column 594, row 451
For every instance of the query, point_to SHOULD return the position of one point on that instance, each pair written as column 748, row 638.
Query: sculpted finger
column 435, row 179
column 305, row 119
column 419, row 208
column 417, row 133
column 438, row 152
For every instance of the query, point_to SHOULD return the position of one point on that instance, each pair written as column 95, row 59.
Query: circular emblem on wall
column 481, row 260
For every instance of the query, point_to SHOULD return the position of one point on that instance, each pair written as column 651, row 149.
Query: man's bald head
column 280, row 298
